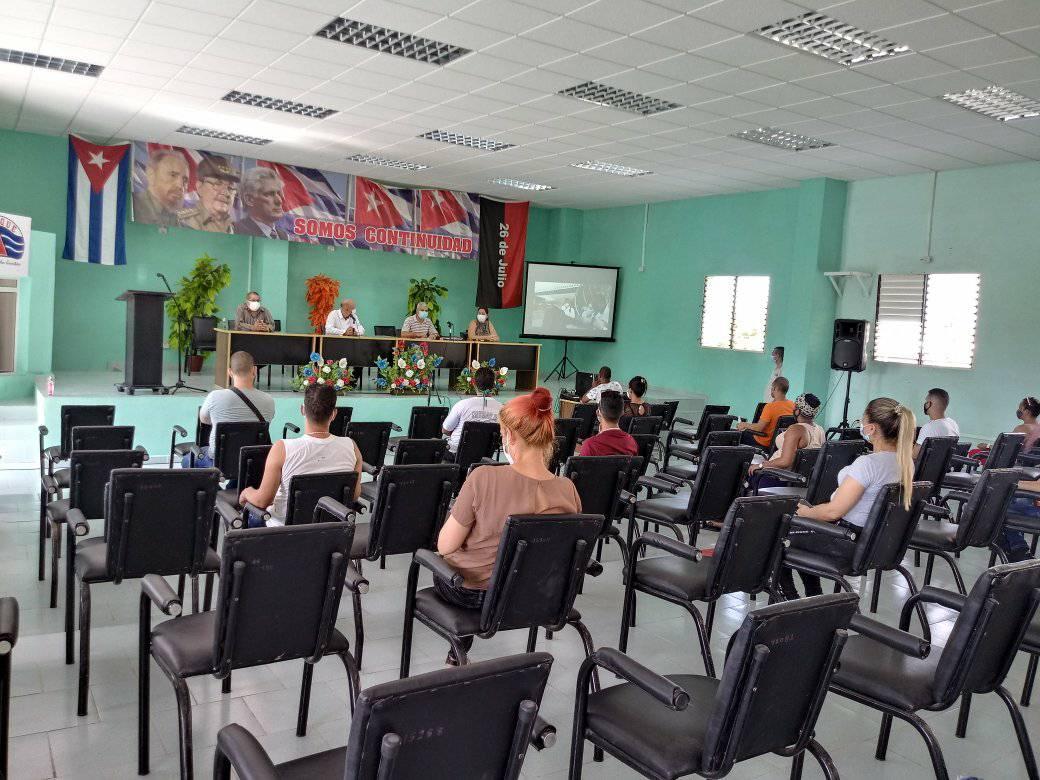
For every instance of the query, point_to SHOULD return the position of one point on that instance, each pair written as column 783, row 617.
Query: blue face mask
column 423, row 315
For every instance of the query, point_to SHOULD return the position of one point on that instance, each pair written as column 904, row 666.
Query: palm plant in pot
column 427, row 291
column 195, row 296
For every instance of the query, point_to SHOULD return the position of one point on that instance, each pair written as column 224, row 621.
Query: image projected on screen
column 570, row 301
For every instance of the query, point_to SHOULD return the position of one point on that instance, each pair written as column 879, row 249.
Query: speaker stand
column 845, row 412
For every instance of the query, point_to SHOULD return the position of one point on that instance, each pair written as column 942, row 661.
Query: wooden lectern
column 144, row 341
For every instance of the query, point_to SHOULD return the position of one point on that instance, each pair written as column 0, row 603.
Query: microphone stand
column 180, row 383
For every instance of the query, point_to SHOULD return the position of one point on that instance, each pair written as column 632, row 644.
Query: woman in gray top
column 889, row 427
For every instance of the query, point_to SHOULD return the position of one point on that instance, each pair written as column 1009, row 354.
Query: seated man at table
column 761, row 433
column 241, row 402
column 603, row 383
column 251, row 315
column 316, row 452
column 610, row 440
column 344, row 320
column 479, row 408
column 419, row 325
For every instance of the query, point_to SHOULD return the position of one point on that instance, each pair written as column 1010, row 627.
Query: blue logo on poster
column 12, row 242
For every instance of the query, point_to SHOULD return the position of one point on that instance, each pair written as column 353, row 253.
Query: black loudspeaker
column 849, row 351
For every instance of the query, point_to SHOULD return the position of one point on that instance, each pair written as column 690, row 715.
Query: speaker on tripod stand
column 849, row 354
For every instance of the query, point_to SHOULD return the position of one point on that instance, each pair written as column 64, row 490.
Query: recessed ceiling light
column 831, row 39
column 519, row 184
column 996, row 103
column 782, row 139
column 245, row 139
column 277, row 104
column 466, row 140
column 371, row 159
column 50, row 63
column 381, row 39
column 602, row 95
column 609, row 167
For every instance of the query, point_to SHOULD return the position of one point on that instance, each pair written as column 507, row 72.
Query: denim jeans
column 203, row 461
column 467, row 598
column 1013, row 543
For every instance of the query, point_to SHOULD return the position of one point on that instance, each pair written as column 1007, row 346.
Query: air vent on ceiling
column 382, row 39
column 603, row 95
column 519, row 184
column 996, row 103
column 219, row 134
column 487, row 144
column 34, row 60
column 782, row 139
column 277, row 104
column 832, row 39
column 608, row 167
column 371, row 159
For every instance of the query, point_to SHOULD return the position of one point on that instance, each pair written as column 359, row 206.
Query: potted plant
column 196, row 296
column 427, row 291
column 324, row 372
column 409, row 371
column 464, row 384
column 322, row 292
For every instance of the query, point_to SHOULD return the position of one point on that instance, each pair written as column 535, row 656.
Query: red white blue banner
column 96, row 216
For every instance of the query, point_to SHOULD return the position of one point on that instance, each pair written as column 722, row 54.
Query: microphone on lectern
column 163, row 277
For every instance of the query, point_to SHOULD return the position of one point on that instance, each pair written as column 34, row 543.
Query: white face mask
column 481, row 318
column 423, row 315
column 863, row 433
column 253, row 305
column 505, row 450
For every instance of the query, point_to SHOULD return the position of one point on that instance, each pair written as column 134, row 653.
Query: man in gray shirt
column 251, row 315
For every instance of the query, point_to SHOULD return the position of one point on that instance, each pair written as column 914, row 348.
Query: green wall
column 34, row 328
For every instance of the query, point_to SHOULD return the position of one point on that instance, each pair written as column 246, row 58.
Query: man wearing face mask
column 252, row 316
column 938, row 424
column 344, row 320
column 419, row 325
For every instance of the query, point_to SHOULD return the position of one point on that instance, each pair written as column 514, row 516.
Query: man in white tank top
column 316, row 452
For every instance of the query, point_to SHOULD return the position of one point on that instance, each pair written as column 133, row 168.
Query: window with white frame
column 927, row 319
column 8, row 323
column 735, row 309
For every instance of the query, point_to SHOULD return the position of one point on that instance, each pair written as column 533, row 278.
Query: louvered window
column 735, row 310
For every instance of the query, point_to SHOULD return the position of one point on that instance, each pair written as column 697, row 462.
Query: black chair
column 646, row 424
column 541, row 560
column 1002, row 455
column 156, row 522
column 817, row 488
column 287, row 578
column 681, row 445
column 667, row 410
column 71, row 416
column 717, row 434
column 758, row 411
column 419, row 727
column 8, row 639
column 410, row 452
column 202, row 431
column 338, row 426
column 745, row 559
column 202, row 338
column 479, row 440
column 898, row 674
column 385, row 330
column 229, row 439
column 372, row 440
column 90, row 470
column 586, row 415
column 252, row 461
column 410, row 505
column 568, row 428
column 1031, row 645
column 783, row 422
column 933, row 462
column 683, row 440
column 779, row 664
column 1029, row 525
column 426, row 422
column 600, row 481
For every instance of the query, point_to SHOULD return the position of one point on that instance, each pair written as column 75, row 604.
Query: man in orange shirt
column 762, row 431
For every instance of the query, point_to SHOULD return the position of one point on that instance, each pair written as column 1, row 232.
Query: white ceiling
column 168, row 63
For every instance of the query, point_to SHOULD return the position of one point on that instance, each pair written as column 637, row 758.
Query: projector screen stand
column 560, row 369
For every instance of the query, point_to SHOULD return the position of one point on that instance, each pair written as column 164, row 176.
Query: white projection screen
column 574, row 302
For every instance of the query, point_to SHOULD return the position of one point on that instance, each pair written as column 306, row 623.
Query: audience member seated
column 479, row 408
column 610, row 440
column 761, row 433
column 938, row 424
column 481, row 329
column 344, row 320
column 470, row 536
column 252, row 316
column 889, row 427
column 602, row 383
column 241, row 402
column 1028, row 411
column 316, row 452
column 804, row 434
column 419, row 325
column 635, row 406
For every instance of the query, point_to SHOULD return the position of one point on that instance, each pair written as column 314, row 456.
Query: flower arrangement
column 322, row 372
column 408, row 370
column 322, row 295
column 464, row 384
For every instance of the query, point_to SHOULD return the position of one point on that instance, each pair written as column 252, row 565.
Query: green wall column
column 270, row 276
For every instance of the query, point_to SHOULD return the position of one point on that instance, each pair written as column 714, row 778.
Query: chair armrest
column 682, row 420
column 1029, row 459
column 290, row 427
column 161, row 594
column 956, row 495
column 355, row 581
column 396, row 428
column 664, row 475
column 682, row 436
column 657, row 484
column 8, row 624
column 673, row 546
column 140, row 448
column 940, row 512
column 820, row 527
column 368, row 469
column 1028, row 472
column 784, row 475
column 77, row 522
column 180, row 431
column 904, row 642
column 230, row 514
column 50, row 485
column 247, row 508
column 440, row 567
column 944, row 598
column 962, row 460
column 245, row 753
column 630, row 670
column 43, row 430
column 195, row 450
column 52, row 453
column 337, row 509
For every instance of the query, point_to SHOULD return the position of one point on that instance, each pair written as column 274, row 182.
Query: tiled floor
column 49, row 740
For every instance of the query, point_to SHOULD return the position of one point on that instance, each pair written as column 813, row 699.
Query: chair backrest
column 805, row 461
column 962, row 449
column 540, row 562
column 74, row 415
column 648, row 424
column 748, row 549
column 338, row 426
column 558, row 451
column 289, row 578
column 778, row 667
column 586, row 413
column 420, row 451
column 385, row 330
column 986, row 635
column 783, row 422
column 89, row 473
column 720, row 479
column 277, row 326
column 599, row 480
column 231, row 437
column 888, row 528
column 251, row 463
column 758, row 411
column 158, row 521
column 668, row 413
column 646, row 443
column 983, row 515
column 582, row 382
column 306, row 490
column 933, row 461
column 102, row 437
column 1005, row 450
column 426, row 422
column 568, row 428
column 411, row 504
column 204, row 333
column 478, row 440
column 708, row 411
column 372, row 439
column 714, row 423
column 434, row 714
column 723, row 438
column 833, row 457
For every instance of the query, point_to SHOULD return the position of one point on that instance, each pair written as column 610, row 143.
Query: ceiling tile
column 571, row 34
column 504, row 15
column 748, row 15
column 632, row 52
column 465, row 34
column 686, row 67
column 737, row 81
column 390, row 14
column 875, row 15
column 1029, row 38
column 686, row 33
column 582, row 67
column 166, row 15
column 939, row 31
column 1005, row 15
column 627, row 17
column 1008, row 73
column 528, row 52
column 977, row 53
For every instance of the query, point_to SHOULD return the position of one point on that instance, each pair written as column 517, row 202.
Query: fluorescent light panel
column 782, row 139
column 487, row 144
column 832, row 39
column 277, row 104
column 371, row 159
column 608, row 167
column 519, row 184
column 35, row 60
column 203, row 131
column 996, row 103
column 382, row 39
column 612, row 97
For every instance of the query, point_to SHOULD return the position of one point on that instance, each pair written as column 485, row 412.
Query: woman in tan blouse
column 481, row 329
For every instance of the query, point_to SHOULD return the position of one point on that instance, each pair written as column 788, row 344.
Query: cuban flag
column 96, row 216
column 381, row 206
column 450, row 213
column 312, row 194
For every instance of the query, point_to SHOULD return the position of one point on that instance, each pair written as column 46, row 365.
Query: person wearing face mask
column 889, row 427
column 481, row 328
column 1028, row 412
column 344, row 320
column 419, row 325
column 610, row 440
column 938, row 424
column 251, row 315
column 470, row 536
